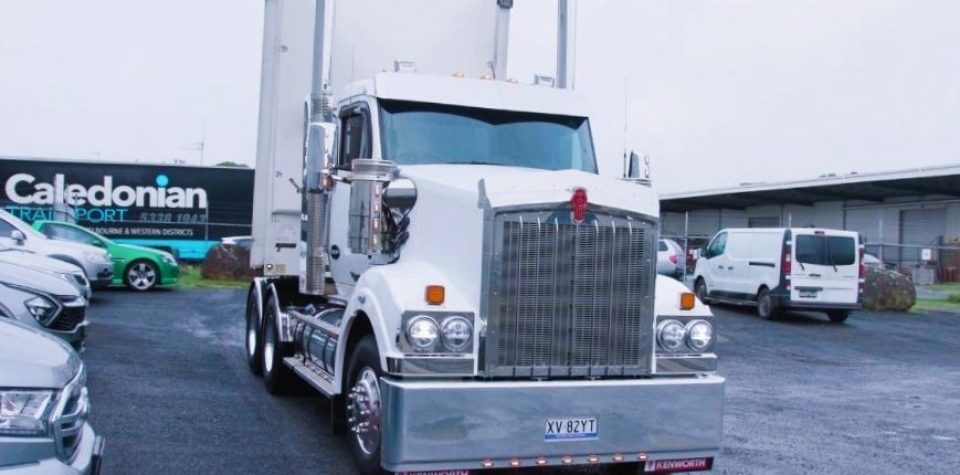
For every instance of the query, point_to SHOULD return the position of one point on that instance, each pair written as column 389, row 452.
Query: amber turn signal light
column 435, row 294
column 687, row 300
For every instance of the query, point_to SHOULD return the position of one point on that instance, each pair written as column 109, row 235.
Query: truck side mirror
column 633, row 166
column 18, row 236
column 636, row 169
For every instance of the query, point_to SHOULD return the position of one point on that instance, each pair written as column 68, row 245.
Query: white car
column 94, row 261
column 243, row 241
column 55, row 267
column 669, row 254
column 783, row 268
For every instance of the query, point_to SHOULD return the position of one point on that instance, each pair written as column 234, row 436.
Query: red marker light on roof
column 578, row 203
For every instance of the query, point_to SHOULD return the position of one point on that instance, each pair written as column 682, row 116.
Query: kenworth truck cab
column 460, row 281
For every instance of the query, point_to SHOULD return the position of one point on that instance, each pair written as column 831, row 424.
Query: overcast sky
column 716, row 92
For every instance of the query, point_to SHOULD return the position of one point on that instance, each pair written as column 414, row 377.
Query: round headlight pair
column 696, row 334
column 454, row 332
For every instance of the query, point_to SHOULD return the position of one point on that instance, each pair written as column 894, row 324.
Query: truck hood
column 501, row 186
column 35, row 261
column 38, row 281
column 33, row 359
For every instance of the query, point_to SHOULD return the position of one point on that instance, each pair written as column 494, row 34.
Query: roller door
column 921, row 228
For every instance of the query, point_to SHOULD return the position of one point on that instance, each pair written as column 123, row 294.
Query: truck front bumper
column 476, row 425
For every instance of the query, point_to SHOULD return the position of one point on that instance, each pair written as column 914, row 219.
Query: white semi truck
column 440, row 257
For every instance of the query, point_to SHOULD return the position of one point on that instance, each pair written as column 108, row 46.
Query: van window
column 718, row 245
column 826, row 250
column 662, row 247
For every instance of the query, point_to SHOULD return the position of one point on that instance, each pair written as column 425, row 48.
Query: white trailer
column 452, row 272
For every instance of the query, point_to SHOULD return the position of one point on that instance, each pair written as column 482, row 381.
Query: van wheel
column 364, row 406
column 254, row 340
column 838, row 316
column 700, row 288
column 277, row 377
column 765, row 307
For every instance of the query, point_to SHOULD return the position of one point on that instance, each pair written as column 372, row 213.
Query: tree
column 230, row 164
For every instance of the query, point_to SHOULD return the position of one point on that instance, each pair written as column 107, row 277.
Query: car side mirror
column 18, row 236
column 98, row 243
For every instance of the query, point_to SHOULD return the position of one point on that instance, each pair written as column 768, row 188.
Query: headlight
column 66, row 277
column 24, row 412
column 699, row 335
column 41, row 308
column 422, row 332
column 96, row 256
column 456, row 333
column 168, row 259
column 671, row 335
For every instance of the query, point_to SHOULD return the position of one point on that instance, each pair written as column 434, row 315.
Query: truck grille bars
column 567, row 299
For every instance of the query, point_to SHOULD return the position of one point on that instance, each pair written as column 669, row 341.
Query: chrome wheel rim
column 268, row 348
column 363, row 411
column 141, row 276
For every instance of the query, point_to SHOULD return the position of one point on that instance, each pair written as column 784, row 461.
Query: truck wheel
column 254, row 342
column 363, row 406
column 276, row 375
column 141, row 275
column 700, row 288
column 838, row 316
column 765, row 307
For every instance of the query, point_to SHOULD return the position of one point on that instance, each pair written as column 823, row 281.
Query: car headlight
column 671, row 334
column 41, row 308
column 168, row 259
column 24, row 412
column 699, row 335
column 422, row 333
column 96, row 257
column 66, row 277
column 456, row 333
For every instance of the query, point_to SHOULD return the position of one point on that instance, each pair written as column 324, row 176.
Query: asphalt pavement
column 879, row 394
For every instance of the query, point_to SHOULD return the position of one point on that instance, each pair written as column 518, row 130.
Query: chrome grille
column 567, row 299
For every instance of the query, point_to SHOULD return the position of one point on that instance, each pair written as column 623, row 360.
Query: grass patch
column 190, row 278
column 937, row 305
column 950, row 287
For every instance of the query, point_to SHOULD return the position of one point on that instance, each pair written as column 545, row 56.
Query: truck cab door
column 355, row 140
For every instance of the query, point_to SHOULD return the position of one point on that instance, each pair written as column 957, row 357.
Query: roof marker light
column 487, row 463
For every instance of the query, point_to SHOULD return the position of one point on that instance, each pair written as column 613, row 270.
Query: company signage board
column 185, row 208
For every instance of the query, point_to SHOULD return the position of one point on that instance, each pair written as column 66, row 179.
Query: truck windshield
column 826, row 250
column 419, row 133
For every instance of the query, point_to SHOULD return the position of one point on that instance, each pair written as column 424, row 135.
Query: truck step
column 320, row 380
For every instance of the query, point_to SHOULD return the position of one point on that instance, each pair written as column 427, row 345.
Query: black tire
column 700, row 288
column 364, row 362
column 253, row 341
column 276, row 376
column 141, row 275
column 838, row 316
column 765, row 306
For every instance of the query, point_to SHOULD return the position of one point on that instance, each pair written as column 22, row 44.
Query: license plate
column 808, row 293
column 438, row 472
column 576, row 428
column 678, row 465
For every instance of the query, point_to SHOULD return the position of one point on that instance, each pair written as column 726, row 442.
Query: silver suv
column 42, row 301
column 43, row 396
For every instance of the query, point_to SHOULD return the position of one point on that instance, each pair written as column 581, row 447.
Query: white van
column 777, row 268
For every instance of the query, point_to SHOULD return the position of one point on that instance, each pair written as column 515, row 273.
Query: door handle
column 729, row 267
column 814, row 275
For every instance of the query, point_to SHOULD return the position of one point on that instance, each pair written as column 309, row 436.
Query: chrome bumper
column 462, row 425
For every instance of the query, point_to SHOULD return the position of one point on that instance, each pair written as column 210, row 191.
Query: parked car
column 137, row 267
column 668, row 258
column 55, row 267
column 870, row 260
column 783, row 268
column 42, row 301
column 94, row 261
column 44, row 402
column 243, row 241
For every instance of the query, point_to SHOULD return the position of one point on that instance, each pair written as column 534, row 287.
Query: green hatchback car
column 137, row 267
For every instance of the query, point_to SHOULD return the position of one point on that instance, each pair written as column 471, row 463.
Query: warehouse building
column 909, row 219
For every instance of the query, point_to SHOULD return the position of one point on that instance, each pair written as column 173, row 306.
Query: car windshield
column 419, row 133
column 826, row 250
